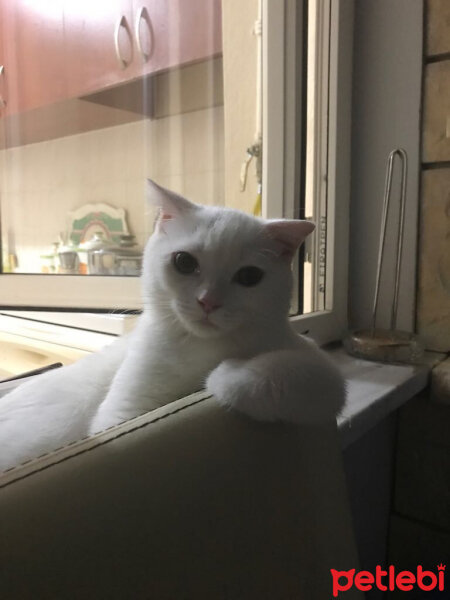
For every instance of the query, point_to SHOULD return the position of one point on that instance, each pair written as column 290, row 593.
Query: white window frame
column 280, row 152
column 73, row 292
column 281, row 25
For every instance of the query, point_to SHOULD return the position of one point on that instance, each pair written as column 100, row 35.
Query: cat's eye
column 248, row 276
column 185, row 263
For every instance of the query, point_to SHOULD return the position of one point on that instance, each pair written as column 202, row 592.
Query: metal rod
column 385, row 211
column 401, row 223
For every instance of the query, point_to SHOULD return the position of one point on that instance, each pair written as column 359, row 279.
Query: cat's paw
column 236, row 386
column 283, row 385
column 220, row 379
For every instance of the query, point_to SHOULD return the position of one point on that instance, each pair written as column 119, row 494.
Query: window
column 129, row 102
column 311, row 179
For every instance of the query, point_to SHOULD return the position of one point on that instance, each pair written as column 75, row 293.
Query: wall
column 420, row 523
column 386, row 114
column 369, row 466
column 40, row 183
column 387, row 73
column 433, row 314
column 239, row 71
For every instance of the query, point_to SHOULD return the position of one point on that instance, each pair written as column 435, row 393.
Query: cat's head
column 217, row 270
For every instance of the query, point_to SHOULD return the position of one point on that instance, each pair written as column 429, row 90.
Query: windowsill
column 110, row 324
column 375, row 390
column 72, row 336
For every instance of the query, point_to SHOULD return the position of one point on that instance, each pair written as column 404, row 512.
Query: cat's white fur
column 243, row 347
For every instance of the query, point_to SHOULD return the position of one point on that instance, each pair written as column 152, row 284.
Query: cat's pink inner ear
column 160, row 221
column 289, row 234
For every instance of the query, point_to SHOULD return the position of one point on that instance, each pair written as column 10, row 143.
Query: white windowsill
column 375, row 390
column 23, row 328
column 110, row 324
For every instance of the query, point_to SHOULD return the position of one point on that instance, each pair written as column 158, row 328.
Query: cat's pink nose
column 208, row 304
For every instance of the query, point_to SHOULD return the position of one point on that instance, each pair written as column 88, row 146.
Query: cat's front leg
column 146, row 380
column 284, row 385
column 131, row 394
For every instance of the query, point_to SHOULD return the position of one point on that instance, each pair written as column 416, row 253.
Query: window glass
column 97, row 96
column 74, row 160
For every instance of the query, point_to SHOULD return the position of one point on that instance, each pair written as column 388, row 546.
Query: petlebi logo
column 389, row 579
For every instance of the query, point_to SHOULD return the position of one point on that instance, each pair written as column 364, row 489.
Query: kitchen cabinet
column 32, row 36
column 2, row 75
column 68, row 49
column 122, row 40
column 56, row 55
column 96, row 34
column 166, row 35
column 170, row 33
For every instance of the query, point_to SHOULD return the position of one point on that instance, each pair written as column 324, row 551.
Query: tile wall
column 40, row 183
column 433, row 310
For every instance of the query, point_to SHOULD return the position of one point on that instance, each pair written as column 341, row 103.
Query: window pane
column 139, row 93
column 98, row 96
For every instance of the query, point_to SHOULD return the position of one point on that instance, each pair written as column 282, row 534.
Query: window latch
column 252, row 151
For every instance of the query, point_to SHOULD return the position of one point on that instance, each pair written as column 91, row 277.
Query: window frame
column 282, row 24
column 93, row 293
column 281, row 149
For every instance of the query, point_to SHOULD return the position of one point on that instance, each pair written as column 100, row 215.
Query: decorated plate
column 90, row 219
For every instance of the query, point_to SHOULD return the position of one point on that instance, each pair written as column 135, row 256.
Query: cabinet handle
column 144, row 16
column 122, row 22
column 2, row 100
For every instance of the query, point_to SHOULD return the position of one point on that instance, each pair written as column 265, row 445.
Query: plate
column 90, row 219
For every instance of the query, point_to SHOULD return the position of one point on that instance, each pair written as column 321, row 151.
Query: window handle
column 252, row 151
column 144, row 16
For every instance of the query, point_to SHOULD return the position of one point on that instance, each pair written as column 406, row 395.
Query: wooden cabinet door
column 3, row 92
column 32, row 35
column 97, row 33
column 171, row 33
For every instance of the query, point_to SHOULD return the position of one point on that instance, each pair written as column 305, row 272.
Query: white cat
column 216, row 286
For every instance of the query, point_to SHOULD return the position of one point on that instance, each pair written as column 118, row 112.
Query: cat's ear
column 289, row 234
column 171, row 205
